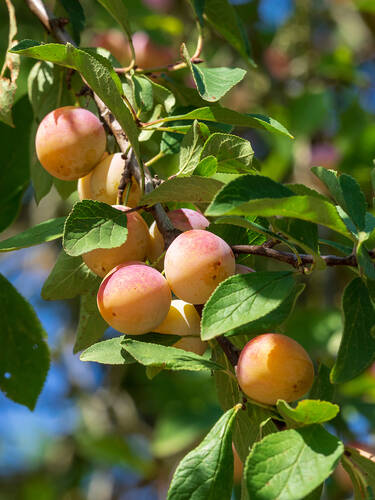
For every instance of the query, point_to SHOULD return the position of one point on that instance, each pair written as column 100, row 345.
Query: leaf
column 69, row 277
column 207, row 471
column 167, row 358
column 8, row 86
column 191, row 147
column 91, row 225
column 223, row 18
column 91, row 325
column 346, row 192
column 96, row 74
column 118, row 11
column 357, row 347
column 206, row 167
column 243, row 298
column 233, row 154
column 162, row 95
column 45, row 231
column 224, row 115
column 24, row 356
column 183, row 189
column 365, row 462
column 14, row 145
column 290, row 464
column 143, row 93
column 258, row 195
column 198, row 6
column 273, row 319
column 108, row 352
column 212, row 83
column 76, row 17
column 322, row 387
column 307, row 412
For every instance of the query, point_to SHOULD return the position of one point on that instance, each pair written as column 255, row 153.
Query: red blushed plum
column 102, row 182
column 273, row 366
column 69, row 142
column 241, row 269
column 134, row 298
column 102, row 260
column 183, row 219
column 195, row 263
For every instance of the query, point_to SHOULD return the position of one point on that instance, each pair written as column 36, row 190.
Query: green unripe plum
column 273, row 366
column 134, row 298
column 241, row 269
column 182, row 319
column 195, row 263
column 102, row 182
column 69, row 142
column 102, row 260
column 183, row 219
column 191, row 344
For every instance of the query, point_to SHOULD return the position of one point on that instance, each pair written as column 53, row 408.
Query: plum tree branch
column 290, row 258
column 56, row 29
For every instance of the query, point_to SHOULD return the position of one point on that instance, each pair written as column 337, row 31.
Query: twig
column 229, row 350
column 290, row 258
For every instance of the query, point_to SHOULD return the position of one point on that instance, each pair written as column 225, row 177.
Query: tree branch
column 290, row 258
column 229, row 350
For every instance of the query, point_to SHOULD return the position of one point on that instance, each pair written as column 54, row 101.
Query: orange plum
column 195, row 263
column 191, row 344
column 273, row 366
column 102, row 260
column 134, row 298
column 69, row 142
column 183, row 219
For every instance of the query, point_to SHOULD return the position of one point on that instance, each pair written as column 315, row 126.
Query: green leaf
column 365, row 462
column 91, row 225
column 273, row 319
column 162, row 95
column 96, row 74
column 290, row 464
column 357, row 347
column 244, row 298
column 14, row 145
column 109, row 352
column 224, row 115
column 207, row 471
column 119, row 12
column 143, row 93
column 198, row 6
column 167, row 358
column 307, row 412
column 183, row 189
column 24, row 356
column 191, row 147
column 233, row 154
column 346, row 192
column 91, row 325
column 206, row 167
column 358, row 482
column 8, row 86
column 212, row 83
column 76, row 17
column 45, row 231
column 69, row 277
column 223, row 18
column 322, row 387
column 258, row 195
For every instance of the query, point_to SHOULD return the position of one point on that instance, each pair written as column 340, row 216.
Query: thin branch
column 290, row 258
column 229, row 349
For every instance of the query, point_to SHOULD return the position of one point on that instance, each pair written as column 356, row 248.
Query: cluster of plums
column 135, row 298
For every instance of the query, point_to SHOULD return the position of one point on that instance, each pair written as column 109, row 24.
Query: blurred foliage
column 316, row 75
